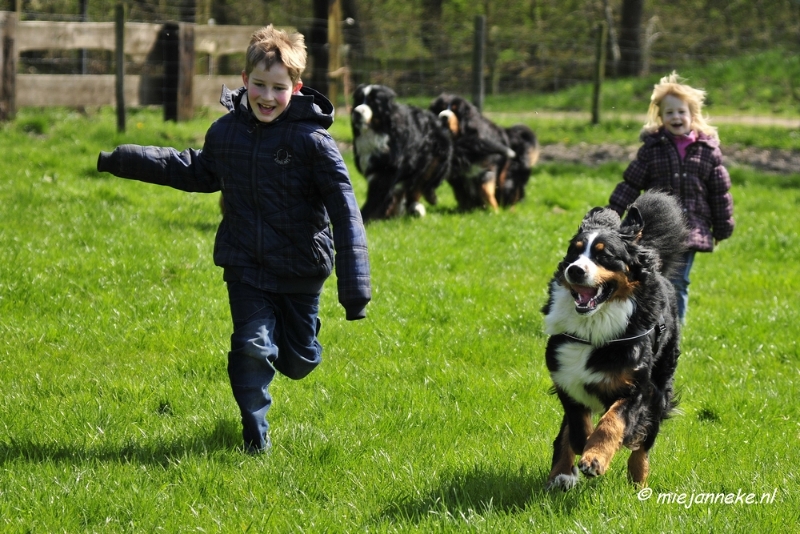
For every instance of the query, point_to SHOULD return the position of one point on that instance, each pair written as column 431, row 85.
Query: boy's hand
column 354, row 313
column 103, row 162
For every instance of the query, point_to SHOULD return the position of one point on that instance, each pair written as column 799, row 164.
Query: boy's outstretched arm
column 190, row 170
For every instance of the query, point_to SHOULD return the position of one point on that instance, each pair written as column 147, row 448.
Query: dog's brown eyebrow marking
column 578, row 244
column 600, row 246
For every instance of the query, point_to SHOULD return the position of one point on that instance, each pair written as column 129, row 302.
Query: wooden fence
column 141, row 43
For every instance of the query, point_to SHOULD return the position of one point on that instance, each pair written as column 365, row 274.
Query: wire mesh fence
column 418, row 57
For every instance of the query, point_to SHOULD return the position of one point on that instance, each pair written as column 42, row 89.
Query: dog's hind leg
column 604, row 442
column 639, row 466
column 488, row 190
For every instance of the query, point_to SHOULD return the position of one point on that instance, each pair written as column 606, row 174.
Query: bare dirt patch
column 765, row 159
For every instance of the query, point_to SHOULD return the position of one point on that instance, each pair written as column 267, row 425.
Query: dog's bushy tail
column 661, row 226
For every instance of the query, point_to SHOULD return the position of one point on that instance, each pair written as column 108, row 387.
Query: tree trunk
column 613, row 40
column 317, row 43
column 630, row 38
column 432, row 25
column 223, row 64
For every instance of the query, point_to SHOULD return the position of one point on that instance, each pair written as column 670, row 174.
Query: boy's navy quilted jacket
column 283, row 184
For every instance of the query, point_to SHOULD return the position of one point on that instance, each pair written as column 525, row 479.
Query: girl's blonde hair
column 694, row 98
column 272, row 45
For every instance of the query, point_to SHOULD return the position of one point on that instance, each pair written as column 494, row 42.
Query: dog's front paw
column 592, row 466
column 563, row 481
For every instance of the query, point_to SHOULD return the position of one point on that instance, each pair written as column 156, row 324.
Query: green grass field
column 432, row 415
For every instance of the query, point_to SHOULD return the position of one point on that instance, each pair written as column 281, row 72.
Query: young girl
column 681, row 156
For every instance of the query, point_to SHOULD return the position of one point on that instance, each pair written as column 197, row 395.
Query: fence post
column 186, row 76
column 119, row 59
column 478, row 55
column 8, row 66
column 599, row 70
column 178, row 71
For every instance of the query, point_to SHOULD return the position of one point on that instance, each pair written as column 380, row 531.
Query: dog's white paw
column 564, row 482
column 419, row 210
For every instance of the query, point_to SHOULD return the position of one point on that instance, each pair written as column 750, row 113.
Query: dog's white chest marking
column 572, row 374
column 604, row 325
column 608, row 322
column 370, row 143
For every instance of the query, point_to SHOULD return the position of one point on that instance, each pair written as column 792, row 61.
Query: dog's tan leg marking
column 638, row 467
column 603, row 443
column 488, row 189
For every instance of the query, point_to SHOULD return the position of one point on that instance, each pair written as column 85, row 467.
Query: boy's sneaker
column 254, row 450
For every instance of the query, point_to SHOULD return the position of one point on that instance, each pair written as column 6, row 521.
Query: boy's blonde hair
column 694, row 98
column 277, row 46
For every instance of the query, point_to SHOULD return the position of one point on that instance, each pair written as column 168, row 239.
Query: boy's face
column 675, row 115
column 269, row 91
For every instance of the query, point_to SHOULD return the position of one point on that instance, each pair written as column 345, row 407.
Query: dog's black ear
column 633, row 223
column 358, row 94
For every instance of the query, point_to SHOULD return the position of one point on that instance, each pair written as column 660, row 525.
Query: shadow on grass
column 480, row 491
column 224, row 436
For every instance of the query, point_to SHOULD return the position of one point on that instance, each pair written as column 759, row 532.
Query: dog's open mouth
column 587, row 299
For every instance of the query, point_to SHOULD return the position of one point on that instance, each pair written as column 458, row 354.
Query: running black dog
column 491, row 165
column 401, row 150
column 614, row 336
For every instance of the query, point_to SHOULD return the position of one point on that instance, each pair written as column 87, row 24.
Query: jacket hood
column 309, row 104
column 660, row 134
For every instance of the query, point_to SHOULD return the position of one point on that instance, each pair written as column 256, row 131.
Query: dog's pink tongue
column 585, row 294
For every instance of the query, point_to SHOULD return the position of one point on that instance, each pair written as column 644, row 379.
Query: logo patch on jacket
column 282, row 156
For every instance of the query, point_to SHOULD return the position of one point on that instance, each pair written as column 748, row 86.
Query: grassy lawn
column 432, row 415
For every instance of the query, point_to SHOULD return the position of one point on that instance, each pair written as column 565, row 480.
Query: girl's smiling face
column 675, row 115
column 269, row 90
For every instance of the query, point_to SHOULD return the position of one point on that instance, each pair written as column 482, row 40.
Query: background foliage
column 533, row 45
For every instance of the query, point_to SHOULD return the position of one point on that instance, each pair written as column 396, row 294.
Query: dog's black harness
column 656, row 330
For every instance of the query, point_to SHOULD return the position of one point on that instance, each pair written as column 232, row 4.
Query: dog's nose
column 575, row 273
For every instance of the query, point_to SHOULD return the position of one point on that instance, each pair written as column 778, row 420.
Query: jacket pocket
column 322, row 251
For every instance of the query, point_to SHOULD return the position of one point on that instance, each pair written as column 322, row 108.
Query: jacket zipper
column 680, row 169
column 254, row 192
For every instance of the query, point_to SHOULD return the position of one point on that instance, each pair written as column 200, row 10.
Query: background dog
column 614, row 336
column 491, row 165
column 525, row 144
column 481, row 152
column 401, row 150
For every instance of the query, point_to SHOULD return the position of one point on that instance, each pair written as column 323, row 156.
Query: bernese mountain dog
column 614, row 336
column 491, row 165
column 401, row 150
column 525, row 144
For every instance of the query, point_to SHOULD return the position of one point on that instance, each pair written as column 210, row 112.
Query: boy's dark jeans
column 271, row 332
